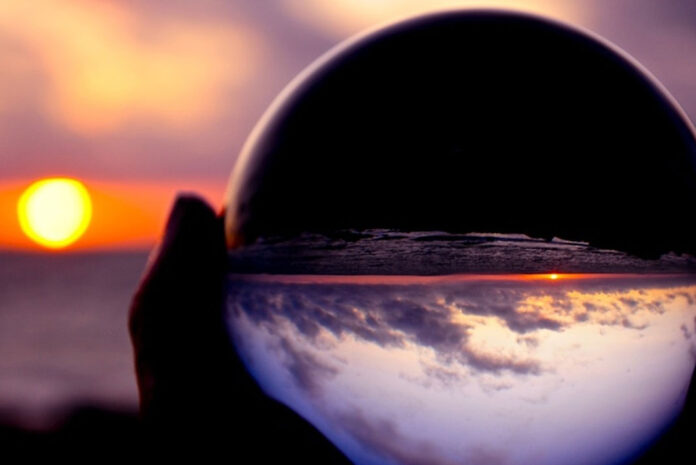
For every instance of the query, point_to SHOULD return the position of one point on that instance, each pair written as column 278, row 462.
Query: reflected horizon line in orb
column 405, row 280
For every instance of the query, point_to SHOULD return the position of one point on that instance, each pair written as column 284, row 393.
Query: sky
column 140, row 100
column 504, row 370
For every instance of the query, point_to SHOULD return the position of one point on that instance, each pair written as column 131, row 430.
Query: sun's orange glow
column 126, row 215
column 55, row 212
column 553, row 276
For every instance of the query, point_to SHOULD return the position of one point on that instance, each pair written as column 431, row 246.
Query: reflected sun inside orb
column 55, row 212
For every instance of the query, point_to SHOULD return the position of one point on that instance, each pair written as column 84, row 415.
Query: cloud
column 504, row 301
column 485, row 456
column 427, row 326
column 304, row 368
column 341, row 18
column 495, row 363
column 104, row 66
column 185, row 83
column 444, row 317
column 389, row 316
column 383, row 438
column 379, row 360
column 685, row 332
column 441, row 374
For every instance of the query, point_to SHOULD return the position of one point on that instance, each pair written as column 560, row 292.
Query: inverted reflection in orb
column 521, row 368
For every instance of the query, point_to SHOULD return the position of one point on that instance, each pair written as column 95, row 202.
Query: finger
column 176, row 318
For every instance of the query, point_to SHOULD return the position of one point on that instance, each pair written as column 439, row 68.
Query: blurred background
column 141, row 99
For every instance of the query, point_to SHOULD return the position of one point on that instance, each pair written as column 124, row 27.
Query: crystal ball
column 465, row 238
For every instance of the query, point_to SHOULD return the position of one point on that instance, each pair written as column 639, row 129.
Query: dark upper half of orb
column 473, row 121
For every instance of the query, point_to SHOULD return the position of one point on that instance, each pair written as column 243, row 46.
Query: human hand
column 195, row 393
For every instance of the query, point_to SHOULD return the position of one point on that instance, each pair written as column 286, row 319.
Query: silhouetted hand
column 195, row 393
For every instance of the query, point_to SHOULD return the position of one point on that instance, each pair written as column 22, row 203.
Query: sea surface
column 63, row 336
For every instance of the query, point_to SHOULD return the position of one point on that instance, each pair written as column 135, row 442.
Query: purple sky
column 170, row 89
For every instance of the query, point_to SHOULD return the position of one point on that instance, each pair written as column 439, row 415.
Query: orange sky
column 127, row 215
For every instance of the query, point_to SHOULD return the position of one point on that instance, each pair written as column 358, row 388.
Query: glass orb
column 466, row 238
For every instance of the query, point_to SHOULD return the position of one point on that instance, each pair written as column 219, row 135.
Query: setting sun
column 55, row 212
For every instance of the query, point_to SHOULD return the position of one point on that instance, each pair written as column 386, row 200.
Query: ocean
column 64, row 341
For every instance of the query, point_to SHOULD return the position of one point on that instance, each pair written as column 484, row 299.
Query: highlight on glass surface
column 400, row 277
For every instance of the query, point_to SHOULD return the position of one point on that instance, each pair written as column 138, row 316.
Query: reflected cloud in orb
column 438, row 369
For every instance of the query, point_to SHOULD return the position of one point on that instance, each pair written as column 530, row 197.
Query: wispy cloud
column 383, row 436
column 104, row 65
column 345, row 17
column 439, row 317
column 380, row 363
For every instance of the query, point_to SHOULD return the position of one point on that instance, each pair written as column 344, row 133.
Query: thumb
column 176, row 317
